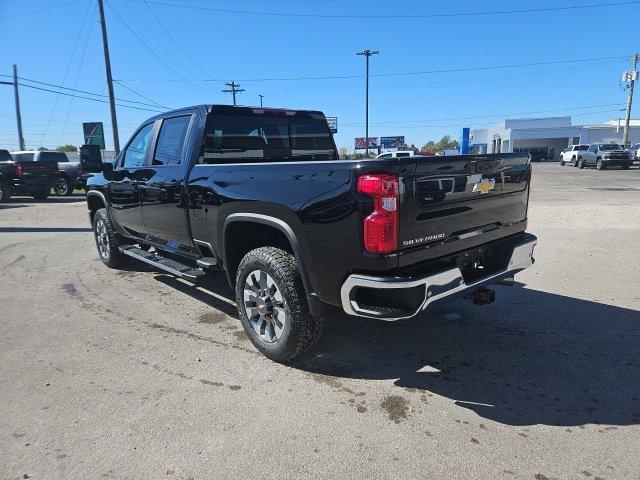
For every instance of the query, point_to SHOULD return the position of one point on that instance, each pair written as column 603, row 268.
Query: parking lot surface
column 135, row 374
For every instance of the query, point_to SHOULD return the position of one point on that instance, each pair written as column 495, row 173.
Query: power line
column 87, row 98
column 85, row 91
column 39, row 10
column 386, row 16
column 140, row 95
column 84, row 52
column 398, row 74
column 66, row 72
column 489, row 116
column 175, row 42
column 152, row 52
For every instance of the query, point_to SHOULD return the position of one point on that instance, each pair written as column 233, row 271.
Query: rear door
column 456, row 202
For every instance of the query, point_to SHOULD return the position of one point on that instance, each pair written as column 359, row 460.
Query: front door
column 124, row 190
column 164, row 200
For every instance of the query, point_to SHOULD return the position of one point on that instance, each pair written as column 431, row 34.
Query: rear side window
column 403, row 154
column 23, row 157
column 581, row 147
column 59, row 157
column 5, row 156
column 253, row 138
column 171, row 140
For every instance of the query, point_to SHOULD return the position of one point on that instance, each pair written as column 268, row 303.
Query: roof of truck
column 244, row 109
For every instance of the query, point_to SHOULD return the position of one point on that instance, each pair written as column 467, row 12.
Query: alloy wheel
column 102, row 238
column 266, row 308
column 61, row 188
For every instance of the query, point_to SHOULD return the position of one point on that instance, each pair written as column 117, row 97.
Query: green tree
column 443, row 144
column 67, row 148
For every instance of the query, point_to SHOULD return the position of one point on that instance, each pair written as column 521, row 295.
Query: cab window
column 136, row 152
column 171, row 140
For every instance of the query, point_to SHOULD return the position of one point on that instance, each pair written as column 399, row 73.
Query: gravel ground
column 135, row 374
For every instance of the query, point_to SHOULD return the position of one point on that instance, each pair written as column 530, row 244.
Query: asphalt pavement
column 135, row 374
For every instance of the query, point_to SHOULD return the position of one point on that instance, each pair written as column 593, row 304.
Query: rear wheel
column 63, row 187
column 580, row 162
column 626, row 166
column 5, row 192
column 272, row 304
column 561, row 163
column 107, row 240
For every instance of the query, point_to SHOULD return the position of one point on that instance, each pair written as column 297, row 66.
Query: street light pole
column 367, row 54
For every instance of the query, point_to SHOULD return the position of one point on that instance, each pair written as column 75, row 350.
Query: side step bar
column 163, row 263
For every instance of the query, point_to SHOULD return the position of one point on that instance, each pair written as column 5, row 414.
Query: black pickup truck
column 27, row 173
column 262, row 195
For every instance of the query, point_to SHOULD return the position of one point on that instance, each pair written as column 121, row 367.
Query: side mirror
column 91, row 158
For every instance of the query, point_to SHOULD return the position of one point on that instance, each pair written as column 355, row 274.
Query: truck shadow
column 530, row 358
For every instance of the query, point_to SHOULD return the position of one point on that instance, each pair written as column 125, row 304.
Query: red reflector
column 18, row 169
column 381, row 227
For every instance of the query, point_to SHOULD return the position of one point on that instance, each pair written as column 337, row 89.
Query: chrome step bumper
column 438, row 286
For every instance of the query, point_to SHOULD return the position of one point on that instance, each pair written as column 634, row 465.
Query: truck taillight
column 17, row 168
column 381, row 226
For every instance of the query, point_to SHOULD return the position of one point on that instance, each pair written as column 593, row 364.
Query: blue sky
column 231, row 43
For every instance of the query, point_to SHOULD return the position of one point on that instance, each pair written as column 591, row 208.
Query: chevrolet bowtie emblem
column 484, row 185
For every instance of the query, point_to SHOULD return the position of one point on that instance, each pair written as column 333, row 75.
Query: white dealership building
column 549, row 135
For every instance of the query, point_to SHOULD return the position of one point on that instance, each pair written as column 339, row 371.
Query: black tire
column 626, row 166
column 580, row 162
column 107, row 240
column 300, row 330
column 600, row 165
column 63, row 188
column 5, row 192
column 41, row 194
column 562, row 163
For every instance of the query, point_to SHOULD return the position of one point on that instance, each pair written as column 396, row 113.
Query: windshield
column 251, row 138
column 610, row 146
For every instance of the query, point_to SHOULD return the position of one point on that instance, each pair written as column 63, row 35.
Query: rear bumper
column 26, row 183
column 429, row 289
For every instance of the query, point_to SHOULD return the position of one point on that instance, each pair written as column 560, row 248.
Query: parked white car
column 634, row 150
column 570, row 154
column 398, row 154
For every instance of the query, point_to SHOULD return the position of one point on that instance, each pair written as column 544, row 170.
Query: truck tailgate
column 452, row 203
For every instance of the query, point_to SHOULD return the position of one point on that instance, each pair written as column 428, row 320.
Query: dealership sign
column 93, row 134
column 392, row 142
column 333, row 124
column 362, row 143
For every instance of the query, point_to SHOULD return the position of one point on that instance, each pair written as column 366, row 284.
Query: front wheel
column 562, row 163
column 580, row 162
column 106, row 240
column 273, row 306
column 626, row 166
column 600, row 165
column 63, row 187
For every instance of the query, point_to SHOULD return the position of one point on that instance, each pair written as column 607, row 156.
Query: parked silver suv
column 604, row 155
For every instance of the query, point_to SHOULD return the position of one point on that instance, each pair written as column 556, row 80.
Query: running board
column 163, row 263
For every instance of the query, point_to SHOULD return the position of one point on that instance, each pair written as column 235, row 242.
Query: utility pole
column 261, row 96
column 18, row 116
column 107, row 66
column 367, row 54
column 233, row 90
column 631, row 78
